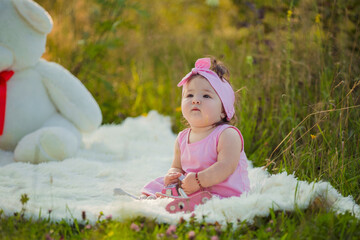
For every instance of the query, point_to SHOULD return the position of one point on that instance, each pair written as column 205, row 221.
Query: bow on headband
column 221, row 87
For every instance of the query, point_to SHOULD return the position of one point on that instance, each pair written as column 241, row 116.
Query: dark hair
column 220, row 69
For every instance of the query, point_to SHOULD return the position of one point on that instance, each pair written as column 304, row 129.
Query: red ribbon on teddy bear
column 4, row 77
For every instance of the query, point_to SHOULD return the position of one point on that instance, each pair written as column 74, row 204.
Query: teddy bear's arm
column 70, row 96
column 6, row 58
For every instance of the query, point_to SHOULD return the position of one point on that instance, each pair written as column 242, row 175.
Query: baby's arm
column 176, row 170
column 229, row 149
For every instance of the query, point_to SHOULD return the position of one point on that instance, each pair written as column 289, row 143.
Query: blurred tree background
column 289, row 60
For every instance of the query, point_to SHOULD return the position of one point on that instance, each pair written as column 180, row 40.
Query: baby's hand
column 171, row 178
column 189, row 184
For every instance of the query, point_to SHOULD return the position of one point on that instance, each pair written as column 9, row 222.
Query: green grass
column 296, row 65
column 313, row 223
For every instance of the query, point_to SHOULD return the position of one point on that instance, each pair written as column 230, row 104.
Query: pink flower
column 214, row 237
column 135, row 227
column 159, row 235
column 88, row 226
column 109, row 217
column 171, row 230
column 191, row 235
column 48, row 237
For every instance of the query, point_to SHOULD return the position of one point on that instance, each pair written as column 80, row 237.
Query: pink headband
column 221, row 87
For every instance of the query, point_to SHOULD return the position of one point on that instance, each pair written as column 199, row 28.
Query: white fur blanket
column 128, row 156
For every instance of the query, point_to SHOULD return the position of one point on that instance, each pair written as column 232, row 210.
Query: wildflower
column 214, row 237
column 178, row 109
column 160, row 236
column 191, row 235
column 144, row 114
column 289, row 14
column 268, row 229
column 88, row 226
column 109, row 217
column 135, row 227
column 317, row 18
column 312, row 136
column 48, row 237
column 171, row 230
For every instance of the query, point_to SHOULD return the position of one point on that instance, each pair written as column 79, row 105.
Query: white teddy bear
column 43, row 107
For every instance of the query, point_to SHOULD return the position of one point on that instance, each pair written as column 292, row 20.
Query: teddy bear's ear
column 34, row 14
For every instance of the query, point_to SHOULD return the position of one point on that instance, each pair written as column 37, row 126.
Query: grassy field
column 314, row 223
column 295, row 66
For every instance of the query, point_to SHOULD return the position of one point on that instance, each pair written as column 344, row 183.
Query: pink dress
column 200, row 155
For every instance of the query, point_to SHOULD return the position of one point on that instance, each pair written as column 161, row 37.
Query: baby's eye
column 189, row 95
column 207, row 96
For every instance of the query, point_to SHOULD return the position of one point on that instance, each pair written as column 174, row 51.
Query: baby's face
column 200, row 104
